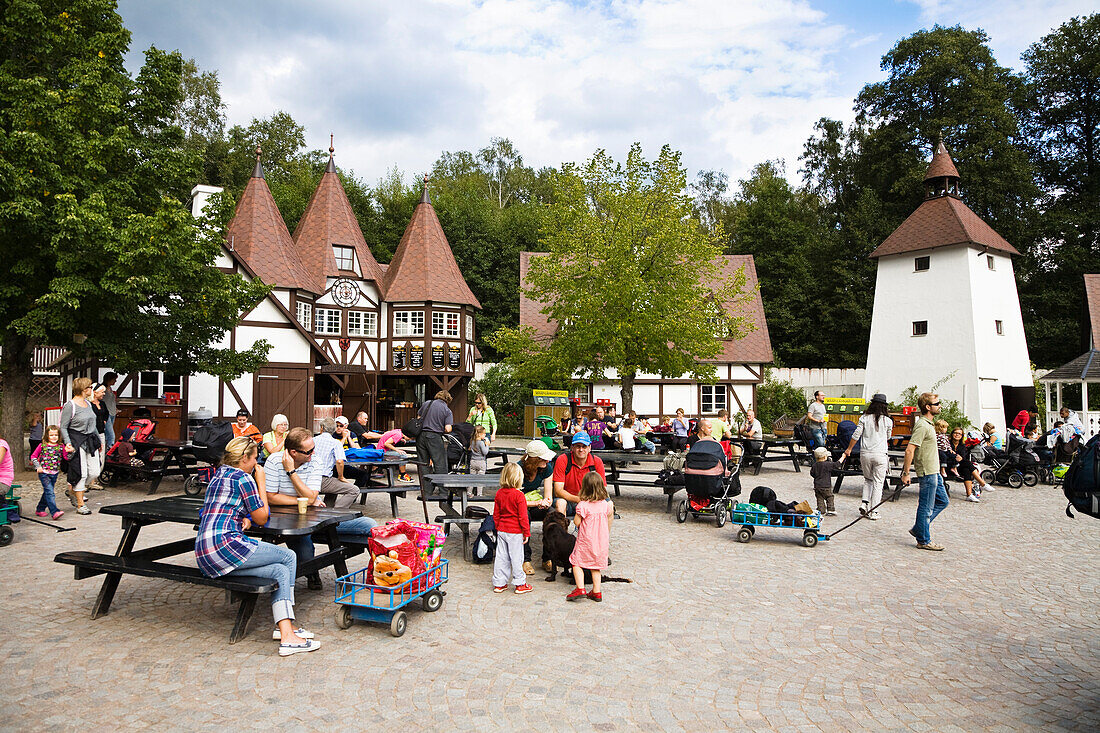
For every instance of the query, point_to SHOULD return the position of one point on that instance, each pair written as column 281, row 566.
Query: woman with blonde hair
column 482, row 415
column 78, row 432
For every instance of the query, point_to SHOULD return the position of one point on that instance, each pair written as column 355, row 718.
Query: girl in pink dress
column 594, row 515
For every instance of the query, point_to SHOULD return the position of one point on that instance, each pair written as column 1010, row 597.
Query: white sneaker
column 988, row 487
column 874, row 515
column 83, row 509
column 974, row 499
column 300, row 633
column 309, row 645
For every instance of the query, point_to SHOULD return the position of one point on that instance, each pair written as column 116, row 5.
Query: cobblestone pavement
column 999, row 632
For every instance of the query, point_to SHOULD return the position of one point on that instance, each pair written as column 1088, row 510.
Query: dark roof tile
column 942, row 222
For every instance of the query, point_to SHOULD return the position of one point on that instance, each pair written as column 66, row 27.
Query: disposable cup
column 302, row 502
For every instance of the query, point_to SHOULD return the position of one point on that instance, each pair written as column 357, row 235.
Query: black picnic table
column 284, row 522
column 165, row 458
column 443, row 489
column 388, row 465
column 761, row 457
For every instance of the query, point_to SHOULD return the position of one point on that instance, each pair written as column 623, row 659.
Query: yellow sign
column 844, row 401
column 551, row 393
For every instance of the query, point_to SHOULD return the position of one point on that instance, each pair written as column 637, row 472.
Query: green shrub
column 777, row 397
column 507, row 395
column 949, row 409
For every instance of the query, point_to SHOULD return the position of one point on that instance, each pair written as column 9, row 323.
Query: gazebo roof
column 1085, row 368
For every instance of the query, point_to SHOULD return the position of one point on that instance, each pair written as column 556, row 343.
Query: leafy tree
column 625, row 254
column 776, row 398
column 709, row 190
column 93, row 230
column 1062, row 117
column 200, row 113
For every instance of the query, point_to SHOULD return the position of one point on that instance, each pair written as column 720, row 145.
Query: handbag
column 414, row 427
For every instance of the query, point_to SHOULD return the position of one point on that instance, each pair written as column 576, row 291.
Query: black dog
column 557, row 546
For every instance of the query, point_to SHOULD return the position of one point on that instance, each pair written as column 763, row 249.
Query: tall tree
column 1062, row 116
column 625, row 253
column 93, row 232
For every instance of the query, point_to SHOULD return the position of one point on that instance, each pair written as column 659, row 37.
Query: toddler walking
column 822, row 473
column 513, row 530
column 46, row 459
column 479, row 451
column 594, row 516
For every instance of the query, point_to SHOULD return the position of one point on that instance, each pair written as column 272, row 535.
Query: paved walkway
column 997, row 633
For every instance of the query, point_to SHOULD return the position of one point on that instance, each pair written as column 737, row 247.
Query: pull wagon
column 361, row 600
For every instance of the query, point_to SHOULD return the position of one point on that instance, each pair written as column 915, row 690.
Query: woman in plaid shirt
column 233, row 503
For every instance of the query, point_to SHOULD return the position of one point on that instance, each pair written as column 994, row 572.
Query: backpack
column 569, row 463
column 1082, row 481
column 485, row 546
column 675, row 461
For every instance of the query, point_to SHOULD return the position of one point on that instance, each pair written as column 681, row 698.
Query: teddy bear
column 389, row 571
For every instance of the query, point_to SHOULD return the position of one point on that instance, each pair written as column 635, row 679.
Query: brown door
column 286, row 390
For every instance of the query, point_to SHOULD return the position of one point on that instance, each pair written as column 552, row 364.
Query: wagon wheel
column 987, row 476
column 744, row 534
column 191, row 486
column 682, row 512
column 720, row 513
column 343, row 617
column 1031, row 477
column 1015, row 479
column 433, row 601
column 6, row 536
column 809, row 539
column 399, row 623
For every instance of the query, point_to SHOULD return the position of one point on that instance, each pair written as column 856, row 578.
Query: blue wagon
column 10, row 511
column 359, row 599
column 750, row 519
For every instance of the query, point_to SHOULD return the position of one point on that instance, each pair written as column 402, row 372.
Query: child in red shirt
column 513, row 531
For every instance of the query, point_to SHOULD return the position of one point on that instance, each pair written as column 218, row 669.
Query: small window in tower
column 345, row 257
column 1000, row 326
column 920, row 328
column 991, row 262
column 920, row 264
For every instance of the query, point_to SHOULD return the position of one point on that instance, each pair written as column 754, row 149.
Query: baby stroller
column 1018, row 466
column 711, row 481
column 549, row 432
column 209, row 444
column 838, row 443
column 457, row 443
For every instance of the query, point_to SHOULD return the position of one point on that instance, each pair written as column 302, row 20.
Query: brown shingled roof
column 424, row 268
column 1092, row 293
column 941, row 165
column 258, row 235
column 755, row 347
column 329, row 220
column 942, row 222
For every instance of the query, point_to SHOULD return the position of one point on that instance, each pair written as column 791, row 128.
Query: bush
column 777, row 397
column 507, row 396
column 949, row 409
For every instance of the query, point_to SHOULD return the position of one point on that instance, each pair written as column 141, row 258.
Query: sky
column 729, row 83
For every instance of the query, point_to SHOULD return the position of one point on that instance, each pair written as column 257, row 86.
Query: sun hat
column 582, row 438
column 879, row 397
column 538, row 449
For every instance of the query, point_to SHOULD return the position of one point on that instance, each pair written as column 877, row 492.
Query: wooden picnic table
column 761, row 457
column 445, row 487
column 166, row 457
column 284, row 522
column 388, row 465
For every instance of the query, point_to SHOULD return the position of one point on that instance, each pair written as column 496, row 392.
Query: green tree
column 625, row 254
column 1062, row 117
column 93, row 230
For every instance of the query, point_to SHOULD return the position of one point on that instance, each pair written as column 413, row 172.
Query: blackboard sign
column 437, row 357
column 416, row 358
column 398, row 357
column 454, row 357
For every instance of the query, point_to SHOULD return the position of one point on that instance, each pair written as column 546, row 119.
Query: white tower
column 946, row 304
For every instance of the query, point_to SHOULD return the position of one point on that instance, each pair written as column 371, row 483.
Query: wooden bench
column 241, row 589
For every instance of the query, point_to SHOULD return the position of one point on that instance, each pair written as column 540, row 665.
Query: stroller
column 1018, row 466
column 457, row 443
column 549, row 432
column 209, row 444
column 838, row 443
column 711, row 481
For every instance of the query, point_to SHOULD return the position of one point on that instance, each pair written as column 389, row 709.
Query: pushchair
column 209, row 444
column 549, row 432
column 457, row 443
column 1018, row 466
column 838, row 443
column 711, row 481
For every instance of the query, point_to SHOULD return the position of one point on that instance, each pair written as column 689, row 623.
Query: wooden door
column 285, row 390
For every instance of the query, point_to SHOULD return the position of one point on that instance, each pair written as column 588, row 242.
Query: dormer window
column 345, row 257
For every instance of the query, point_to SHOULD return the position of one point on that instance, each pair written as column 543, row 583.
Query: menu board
column 398, row 357
column 416, row 358
column 437, row 357
column 454, row 357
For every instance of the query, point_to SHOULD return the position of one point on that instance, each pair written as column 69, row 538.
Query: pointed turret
column 424, row 268
column 258, row 235
column 942, row 179
column 329, row 220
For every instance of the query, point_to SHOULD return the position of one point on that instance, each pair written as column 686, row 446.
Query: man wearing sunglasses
column 291, row 473
column 923, row 453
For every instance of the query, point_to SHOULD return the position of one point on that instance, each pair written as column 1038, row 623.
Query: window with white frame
column 469, row 328
column 327, row 322
column 362, row 323
column 305, row 314
column 408, row 323
column 920, row 328
column 345, row 257
column 582, row 392
column 153, row 385
column 445, row 323
column 712, row 398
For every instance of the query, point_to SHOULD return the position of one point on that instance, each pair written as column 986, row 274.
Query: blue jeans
column 47, row 501
column 274, row 563
column 355, row 530
column 109, row 433
column 819, row 436
column 930, row 502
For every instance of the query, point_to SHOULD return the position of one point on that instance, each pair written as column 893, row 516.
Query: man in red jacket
column 513, row 529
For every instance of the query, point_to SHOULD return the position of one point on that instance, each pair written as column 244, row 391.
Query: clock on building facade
column 345, row 293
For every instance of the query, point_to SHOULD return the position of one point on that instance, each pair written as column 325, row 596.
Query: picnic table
column 893, row 474
column 388, row 466
column 758, row 459
column 285, row 522
column 165, row 457
column 444, row 487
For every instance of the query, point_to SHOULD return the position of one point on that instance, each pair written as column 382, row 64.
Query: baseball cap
column 538, row 449
column 341, row 420
column 582, row 438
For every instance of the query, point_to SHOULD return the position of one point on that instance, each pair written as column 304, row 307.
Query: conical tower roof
column 424, row 268
column 941, row 166
column 258, row 235
column 329, row 220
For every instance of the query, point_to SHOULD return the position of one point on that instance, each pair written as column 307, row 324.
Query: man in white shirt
column 329, row 457
column 752, row 432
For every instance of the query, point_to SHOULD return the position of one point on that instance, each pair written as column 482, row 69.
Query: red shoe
column 576, row 595
column 525, row 588
column 594, row 596
column 499, row 588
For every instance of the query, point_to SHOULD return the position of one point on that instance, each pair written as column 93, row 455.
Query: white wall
column 833, row 382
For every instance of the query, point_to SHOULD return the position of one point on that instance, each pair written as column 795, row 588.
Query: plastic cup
column 302, row 503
